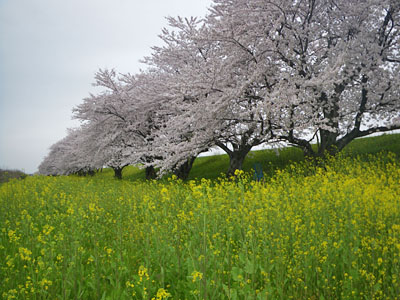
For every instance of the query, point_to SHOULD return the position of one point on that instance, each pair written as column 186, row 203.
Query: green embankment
column 211, row 167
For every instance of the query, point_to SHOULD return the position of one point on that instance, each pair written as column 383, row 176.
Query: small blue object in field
column 258, row 172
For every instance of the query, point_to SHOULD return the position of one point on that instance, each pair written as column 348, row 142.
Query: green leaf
column 249, row 268
column 234, row 295
column 236, row 272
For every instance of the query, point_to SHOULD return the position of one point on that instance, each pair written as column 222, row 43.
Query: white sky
column 49, row 52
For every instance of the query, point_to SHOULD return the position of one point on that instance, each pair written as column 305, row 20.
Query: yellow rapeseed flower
column 196, row 275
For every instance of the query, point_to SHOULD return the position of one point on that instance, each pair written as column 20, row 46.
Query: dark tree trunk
column 236, row 159
column 236, row 156
column 328, row 143
column 150, row 173
column 85, row 173
column 182, row 172
column 330, row 107
column 118, row 172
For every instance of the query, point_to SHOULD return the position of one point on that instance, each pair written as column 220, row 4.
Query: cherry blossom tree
column 67, row 157
column 120, row 122
column 216, row 103
column 51, row 164
column 345, row 59
column 336, row 66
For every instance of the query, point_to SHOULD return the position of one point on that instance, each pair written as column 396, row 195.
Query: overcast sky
column 49, row 52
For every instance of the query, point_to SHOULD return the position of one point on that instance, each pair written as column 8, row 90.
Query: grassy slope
column 212, row 167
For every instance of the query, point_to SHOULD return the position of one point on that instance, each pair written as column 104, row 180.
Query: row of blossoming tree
column 250, row 72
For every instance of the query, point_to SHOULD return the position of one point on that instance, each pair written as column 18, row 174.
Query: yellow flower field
column 328, row 232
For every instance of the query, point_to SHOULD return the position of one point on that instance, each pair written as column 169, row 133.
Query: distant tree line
column 250, row 72
column 6, row 175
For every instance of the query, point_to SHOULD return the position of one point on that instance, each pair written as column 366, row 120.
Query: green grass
column 374, row 145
